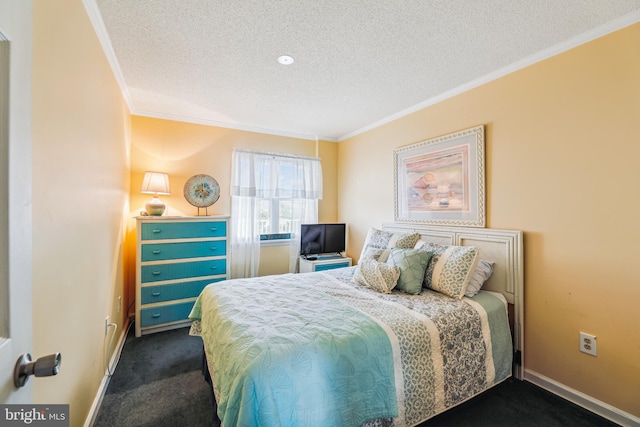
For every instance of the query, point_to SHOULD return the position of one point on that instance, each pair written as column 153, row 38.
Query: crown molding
column 103, row 37
column 597, row 32
column 229, row 125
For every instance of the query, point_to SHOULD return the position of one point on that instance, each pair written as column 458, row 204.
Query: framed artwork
column 440, row 181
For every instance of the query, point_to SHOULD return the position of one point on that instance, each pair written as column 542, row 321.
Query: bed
column 322, row 349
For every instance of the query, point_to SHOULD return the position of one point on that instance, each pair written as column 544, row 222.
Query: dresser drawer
column 164, row 251
column 183, row 230
column 321, row 267
column 165, row 313
column 174, row 291
column 181, row 270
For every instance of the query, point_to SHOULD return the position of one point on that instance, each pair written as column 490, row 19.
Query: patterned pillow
column 481, row 274
column 379, row 276
column 412, row 264
column 450, row 268
column 381, row 255
column 378, row 239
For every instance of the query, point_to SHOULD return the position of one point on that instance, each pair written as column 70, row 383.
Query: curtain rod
column 266, row 153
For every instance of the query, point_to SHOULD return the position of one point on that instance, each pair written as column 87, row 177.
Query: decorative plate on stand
column 202, row 191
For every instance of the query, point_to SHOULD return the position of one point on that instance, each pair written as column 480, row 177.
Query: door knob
column 45, row 366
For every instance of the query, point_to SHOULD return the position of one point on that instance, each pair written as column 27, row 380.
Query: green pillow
column 412, row 264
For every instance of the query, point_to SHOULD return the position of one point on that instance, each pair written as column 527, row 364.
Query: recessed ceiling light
column 285, row 60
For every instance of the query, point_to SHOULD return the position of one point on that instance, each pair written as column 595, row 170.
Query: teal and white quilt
column 316, row 349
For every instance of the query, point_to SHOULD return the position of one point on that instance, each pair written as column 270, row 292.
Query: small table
column 323, row 262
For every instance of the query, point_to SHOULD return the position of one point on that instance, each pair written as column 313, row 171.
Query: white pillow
column 481, row 274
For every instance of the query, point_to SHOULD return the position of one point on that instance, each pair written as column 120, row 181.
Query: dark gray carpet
column 158, row 382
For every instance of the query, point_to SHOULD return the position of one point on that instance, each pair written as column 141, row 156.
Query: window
column 277, row 213
column 271, row 195
column 276, row 217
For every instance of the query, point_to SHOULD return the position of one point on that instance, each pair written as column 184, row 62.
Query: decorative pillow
column 450, row 268
column 378, row 239
column 412, row 264
column 484, row 270
column 379, row 276
column 381, row 255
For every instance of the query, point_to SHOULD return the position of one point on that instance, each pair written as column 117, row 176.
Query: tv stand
column 323, row 262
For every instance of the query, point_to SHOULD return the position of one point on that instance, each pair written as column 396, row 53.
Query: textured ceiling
column 357, row 63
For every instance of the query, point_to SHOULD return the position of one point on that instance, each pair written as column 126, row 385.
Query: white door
column 15, row 196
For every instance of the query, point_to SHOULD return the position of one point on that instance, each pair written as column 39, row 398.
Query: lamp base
column 155, row 207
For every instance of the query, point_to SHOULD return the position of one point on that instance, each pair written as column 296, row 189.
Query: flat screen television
column 317, row 239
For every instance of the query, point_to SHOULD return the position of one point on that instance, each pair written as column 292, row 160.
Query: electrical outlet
column 106, row 325
column 588, row 344
column 119, row 304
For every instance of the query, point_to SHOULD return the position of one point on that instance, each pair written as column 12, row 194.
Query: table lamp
column 155, row 183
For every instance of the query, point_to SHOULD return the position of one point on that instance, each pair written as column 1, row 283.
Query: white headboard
column 503, row 247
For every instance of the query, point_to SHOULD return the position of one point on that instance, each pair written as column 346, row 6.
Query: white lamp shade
column 155, row 183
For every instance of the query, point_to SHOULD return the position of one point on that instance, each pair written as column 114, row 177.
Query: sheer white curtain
column 308, row 215
column 245, row 237
column 267, row 176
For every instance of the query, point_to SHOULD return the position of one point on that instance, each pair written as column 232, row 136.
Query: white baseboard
column 594, row 405
column 93, row 412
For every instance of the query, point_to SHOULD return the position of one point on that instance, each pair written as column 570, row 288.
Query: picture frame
column 441, row 181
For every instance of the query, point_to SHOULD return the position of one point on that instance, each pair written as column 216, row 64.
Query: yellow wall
column 81, row 130
column 562, row 165
column 184, row 149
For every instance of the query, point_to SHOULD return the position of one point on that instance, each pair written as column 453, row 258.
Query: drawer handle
column 155, row 315
column 155, row 230
column 213, row 248
column 155, row 294
column 155, row 273
column 156, row 252
column 214, row 228
column 213, row 267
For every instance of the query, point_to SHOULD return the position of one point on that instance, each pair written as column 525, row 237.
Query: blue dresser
column 176, row 257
